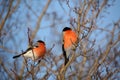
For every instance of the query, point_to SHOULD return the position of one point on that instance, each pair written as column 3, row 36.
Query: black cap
column 41, row 41
column 66, row 28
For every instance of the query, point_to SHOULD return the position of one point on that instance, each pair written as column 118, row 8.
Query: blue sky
column 47, row 33
column 112, row 15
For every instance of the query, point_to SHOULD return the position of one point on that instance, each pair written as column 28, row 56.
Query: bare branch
column 40, row 18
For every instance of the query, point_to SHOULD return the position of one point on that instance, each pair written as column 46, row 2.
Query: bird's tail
column 22, row 53
column 65, row 55
column 17, row 56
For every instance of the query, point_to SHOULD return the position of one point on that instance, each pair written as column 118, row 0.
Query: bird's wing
column 30, row 48
column 65, row 55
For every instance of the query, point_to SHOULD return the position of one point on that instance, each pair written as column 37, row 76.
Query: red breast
column 40, row 50
column 69, row 37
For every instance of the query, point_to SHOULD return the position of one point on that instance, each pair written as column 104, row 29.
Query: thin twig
column 40, row 18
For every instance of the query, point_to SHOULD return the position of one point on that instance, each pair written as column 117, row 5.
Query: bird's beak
column 36, row 44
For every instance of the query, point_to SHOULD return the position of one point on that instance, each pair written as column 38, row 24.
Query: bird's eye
column 36, row 46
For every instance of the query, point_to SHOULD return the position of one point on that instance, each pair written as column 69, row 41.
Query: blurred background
column 96, row 22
